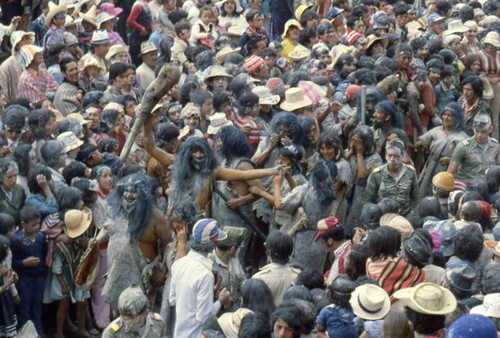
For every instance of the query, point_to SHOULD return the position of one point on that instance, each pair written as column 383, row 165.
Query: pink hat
column 253, row 63
column 110, row 9
column 351, row 92
column 276, row 83
column 436, row 241
column 352, row 37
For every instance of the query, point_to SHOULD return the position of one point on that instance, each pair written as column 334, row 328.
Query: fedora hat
column 455, row 26
column 299, row 53
column 418, row 248
column 70, row 141
column 53, row 10
column 230, row 322
column 76, row 222
column 221, row 55
column 461, row 277
column 370, row 302
column 490, row 306
column 300, row 10
column 401, row 224
column 217, row 71
column 265, row 96
column 90, row 16
column 428, row 299
column 103, row 17
column 89, row 62
column 147, row 47
column 110, row 9
column 339, row 50
column 295, row 99
column 116, row 49
column 235, row 31
column 217, row 121
column 493, row 39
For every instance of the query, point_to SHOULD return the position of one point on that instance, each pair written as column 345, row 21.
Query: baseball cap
column 327, row 225
column 206, row 231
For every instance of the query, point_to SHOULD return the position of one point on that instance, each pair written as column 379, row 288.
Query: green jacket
column 13, row 206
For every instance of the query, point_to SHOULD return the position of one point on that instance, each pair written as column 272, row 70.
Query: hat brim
column 448, row 276
column 74, row 233
column 358, row 310
column 269, row 100
column 148, row 51
column 407, row 296
column 296, row 105
column 454, row 31
column 53, row 12
column 226, row 324
column 213, row 130
column 481, row 310
column 75, row 145
column 222, row 236
column 384, row 40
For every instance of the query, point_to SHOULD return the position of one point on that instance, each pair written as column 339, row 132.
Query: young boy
column 29, row 249
column 181, row 43
column 255, row 21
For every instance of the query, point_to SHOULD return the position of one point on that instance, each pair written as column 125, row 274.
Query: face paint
column 129, row 199
column 134, row 323
column 197, row 159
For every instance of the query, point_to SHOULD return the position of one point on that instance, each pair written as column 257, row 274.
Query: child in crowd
column 91, row 78
column 470, row 213
column 181, row 43
column 249, row 109
column 29, row 249
column 337, row 319
column 203, row 29
column 8, row 320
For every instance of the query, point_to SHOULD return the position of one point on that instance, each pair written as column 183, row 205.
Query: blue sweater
column 21, row 251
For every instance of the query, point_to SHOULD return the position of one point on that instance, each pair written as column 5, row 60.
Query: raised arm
column 244, row 175
column 159, row 154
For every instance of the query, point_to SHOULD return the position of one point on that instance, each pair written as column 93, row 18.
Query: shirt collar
column 341, row 248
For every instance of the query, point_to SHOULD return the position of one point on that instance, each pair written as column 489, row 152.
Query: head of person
column 14, row 121
column 167, row 137
column 53, row 154
column 383, row 243
column 472, row 88
column 100, row 43
column 285, row 321
column 417, row 249
column 452, row 116
column 76, row 169
column 205, row 236
column 279, row 247
column 232, row 143
column 133, row 306
column 255, row 18
column 42, row 123
column 331, row 233
column 308, row 37
column 69, row 70
column 255, row 46
column 386, row 114
column 8, row 174
column 468, row 243
column 121, row 74
column 330, row 146
column 7, row 225
column 364, row 134
column 33, row 173
column 403, row 55
column 355, row 261
column 482, row 128
column 394, row 152
column 183, row 215
column 340, row 290
column 203, row 99
column 30, row 219
column 88, row 189
column 285, row 124
column 104, row 178
column 309, row 19
column 396, row 325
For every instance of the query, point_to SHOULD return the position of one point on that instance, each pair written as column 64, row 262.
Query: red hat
column 352, row 37
column 351, row 92
column 253, row 63
column 485, row 208
column 327, row 225
column 276, row 82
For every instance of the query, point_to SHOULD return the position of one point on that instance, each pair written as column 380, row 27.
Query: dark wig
column 370, row 216
column 476, row 84
column 289, row 314
column 310, row 279
column 366, row 135
column 331, row 140
column 220, row 98
column 373, row 95
column 424, row 324
column 254, row 326
column 15, row 117
column 68, row 198
column 297, row 292
column 383, row 242
column 468, row 243
column 256, row 296
column 234, row 143
column 323, row 178
column 185, row 92
column 290, row 121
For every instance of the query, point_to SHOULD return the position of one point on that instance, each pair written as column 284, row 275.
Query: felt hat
column 253, row 63
column 493, row 39
column 428, row 299
column 206, row 231
column 295, row 99
column 80, row 118
column 230, row 321
column 28, row 52
column 100, row 37
column 90, row 16
column 132, row 301
column 17, row 36
column 339, row 50
column 76, row 222
column 238, row 8
column 276, row 83
column 265, row 96
column 288, row 24
column 446, row 231
column 401, row 224
column 418, row 248
column 235, row 236
column 147, row 47
column 216, row 71
column 110, row 8
column 370, row 302
column 190, row 109
column 217, row 121
column 300, row 10
column 472, row 325
column 116, row 49
column 235, row 31
column 490, row 306
column 435, row 18
column 327, row 225
column 461, row 277
column 70, row 141
column 224, row 52
column 371, row 39
column 454, row 27
column 53, row 10
column 299, row 53
column 444, row 181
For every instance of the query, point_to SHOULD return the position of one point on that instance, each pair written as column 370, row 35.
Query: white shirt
column 192, row 294
column 144, row 75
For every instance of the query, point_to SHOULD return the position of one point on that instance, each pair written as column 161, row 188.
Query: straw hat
column 265, row 96
column 493, row 39
column 190, row 109
column 90, row 16
column 28, row 52
column 216, row 71
column 116, row 49
column 79, row 118
column 17, row 36
column 299, row 53
column 230, row 322
column 455, row 26
column 288, row 24
column 295, row 99
column 238, row 9
column 221, row 55
column 76, row 222
column 370, row 302
column 71, row 21
column 235, row 31
column 300, row 10
column 428, row 299
column 401, row 224
column 53, row 10
column 373, row 38
column 147, row 47
column 103, row 17
column 338, row 50
column 217, row 121
column 91, row 61
column 70, row 141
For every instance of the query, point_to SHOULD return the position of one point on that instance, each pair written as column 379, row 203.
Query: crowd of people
column 250, row 168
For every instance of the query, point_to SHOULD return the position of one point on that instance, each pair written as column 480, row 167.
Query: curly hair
column 468, row 243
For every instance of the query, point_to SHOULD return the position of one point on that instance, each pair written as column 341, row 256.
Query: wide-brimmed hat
column 110, row 9
column 76, row 222
column 300, row 10
column 90, row 16
column 490, row 306
column 313, row 91
column 89, row 62
column 370, row 302
column 70, row 141
column 276, row 83
column 189, row 110
column 428, row 299
column 100, row 37
column 216, row 71
column 230, row 322
column 493, row 39
column 103, row 17
column 371, row 39
column 217, row 121
column 288, row 24
column 435, row 18
column 401, row 224
column 28, row 52
column 295, row 99
column 17, row 36
column 206, row 230
column 299, row 53
column 79, row 118
column 461, row 277
column 148, row 47
column 454, row 27
column 339, row 50
column 116, row 49
column 71, row 21
column 235, row 31
column 53, row 10
column 265, row 96
column 221, row 55
column 238, row 9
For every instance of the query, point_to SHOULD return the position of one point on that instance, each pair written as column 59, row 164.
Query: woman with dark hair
column 362, row 159
column 230, row 15
column 256, row 296
column 355, row 265
column 384, row 266
column 111, row 123
column 121, row 81
column 440, row 142
column 41, row 190
column 14, row 123
column 25, row 159
column 473, row 103
column 43, row 125
column 186, row 91
column 468, row 246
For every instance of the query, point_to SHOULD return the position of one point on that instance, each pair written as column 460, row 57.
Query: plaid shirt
column 34, row 90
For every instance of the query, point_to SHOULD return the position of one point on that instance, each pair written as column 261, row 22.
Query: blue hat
column 207, row 231
column 445, row 229
column 333, row 13
column 472, row 326
column 434, row 17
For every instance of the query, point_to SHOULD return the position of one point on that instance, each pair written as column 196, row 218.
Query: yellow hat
column 300, row 10
column 444, row 181
column 288, row 24
column 76, row 222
